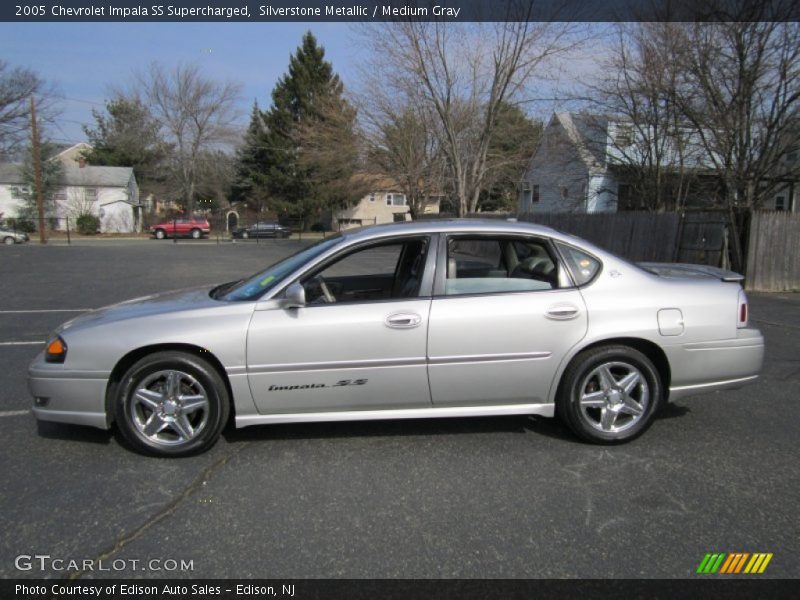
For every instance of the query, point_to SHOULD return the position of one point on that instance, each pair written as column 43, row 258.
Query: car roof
column 471, row 225
column 450, row 225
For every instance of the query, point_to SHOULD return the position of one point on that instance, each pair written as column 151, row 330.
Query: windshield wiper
column 224, row 288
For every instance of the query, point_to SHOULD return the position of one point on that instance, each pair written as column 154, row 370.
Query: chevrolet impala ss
column 452, row 318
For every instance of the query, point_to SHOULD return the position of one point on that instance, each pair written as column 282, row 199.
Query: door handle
column 403, row 320
column 562, row 312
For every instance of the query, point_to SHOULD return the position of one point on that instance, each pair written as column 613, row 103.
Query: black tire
column 245, row 235
column 199, row 378
column 160, row 234
column 613, row 421
column 196, row 234
column 8, row 241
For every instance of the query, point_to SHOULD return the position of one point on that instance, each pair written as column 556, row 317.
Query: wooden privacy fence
column 638, row 236
column 773, row 254
column 772, row 248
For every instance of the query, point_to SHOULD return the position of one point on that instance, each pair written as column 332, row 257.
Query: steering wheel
column 326, row 292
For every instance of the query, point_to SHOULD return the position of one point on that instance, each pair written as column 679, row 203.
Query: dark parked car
column 263, row 230
column 191, row 227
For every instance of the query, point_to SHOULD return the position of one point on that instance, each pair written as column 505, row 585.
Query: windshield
column 260, row 283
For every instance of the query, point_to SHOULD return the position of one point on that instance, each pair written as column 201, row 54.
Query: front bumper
column 62, row 396
column 703, row 367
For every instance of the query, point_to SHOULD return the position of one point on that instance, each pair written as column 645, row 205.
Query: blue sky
column 84, row 59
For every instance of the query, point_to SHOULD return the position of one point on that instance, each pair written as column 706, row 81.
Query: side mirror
column 295, row 296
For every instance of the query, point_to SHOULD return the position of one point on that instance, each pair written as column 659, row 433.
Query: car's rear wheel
column 160, row 234
column 245, row 235
column 171, row 404
column 610, row 394
column 196, row 233
column 8, row 241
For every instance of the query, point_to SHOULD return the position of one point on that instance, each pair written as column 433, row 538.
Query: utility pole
column 37, row 171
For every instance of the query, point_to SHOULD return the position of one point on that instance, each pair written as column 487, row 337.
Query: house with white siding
column 568, row 172
column 578, row 167
column 109, row 193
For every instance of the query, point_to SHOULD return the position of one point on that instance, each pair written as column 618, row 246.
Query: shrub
column 23, row 225
column 88, row 224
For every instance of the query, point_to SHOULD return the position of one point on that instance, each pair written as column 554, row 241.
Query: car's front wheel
column 610, row 394
column 8, row 241
column 196, row 233
column 171, row 404
column 160, row 234
column 245, row 235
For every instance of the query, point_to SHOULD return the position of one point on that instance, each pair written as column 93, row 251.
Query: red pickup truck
column 193, row 228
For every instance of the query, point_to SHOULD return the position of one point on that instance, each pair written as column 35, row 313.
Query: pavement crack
column 165, row 512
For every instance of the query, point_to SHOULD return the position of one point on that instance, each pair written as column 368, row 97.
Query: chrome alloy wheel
column 613, row 397
column 169, row 407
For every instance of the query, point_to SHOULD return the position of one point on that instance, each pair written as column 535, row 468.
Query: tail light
column 742, row 316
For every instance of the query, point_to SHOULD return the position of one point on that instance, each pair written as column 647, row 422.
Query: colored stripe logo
column 734, row 563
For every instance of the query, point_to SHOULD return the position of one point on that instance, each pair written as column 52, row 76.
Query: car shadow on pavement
column 73, row 433
column 672, row 411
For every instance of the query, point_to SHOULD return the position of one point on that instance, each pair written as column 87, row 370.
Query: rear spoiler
column 692, row 271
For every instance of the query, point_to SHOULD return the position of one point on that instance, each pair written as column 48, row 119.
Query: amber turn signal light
column 56, row 351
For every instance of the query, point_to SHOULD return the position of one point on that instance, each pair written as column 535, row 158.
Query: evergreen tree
column 250, row 179
column 128, row 136
column 513, row 143
column 51, row 180
column 300, row 97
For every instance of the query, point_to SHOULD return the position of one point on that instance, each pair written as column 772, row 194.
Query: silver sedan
column 428, row 319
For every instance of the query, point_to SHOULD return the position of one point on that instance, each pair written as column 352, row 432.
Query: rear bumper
column 69, row 398
column 703, row 367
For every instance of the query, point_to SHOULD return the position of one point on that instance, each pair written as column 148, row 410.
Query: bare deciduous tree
column 331, row 151
column 651, row 144
column 17, row 85
column 405, row 147
column 740, row 90
column 459, row 74
column 197, row 115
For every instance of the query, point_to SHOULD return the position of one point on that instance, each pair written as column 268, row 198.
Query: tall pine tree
column 250, row 178
column 300, row 98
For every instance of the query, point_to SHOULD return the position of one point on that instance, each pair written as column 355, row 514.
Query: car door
column 364, row 350
column 503, row 316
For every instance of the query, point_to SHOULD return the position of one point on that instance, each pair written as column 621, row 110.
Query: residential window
column 624, row 136
column 564, row 192
column 780, row 202
column 90, row 194
column 60, row 196
column 535, row 194
column 395, row 200
column 372, row 197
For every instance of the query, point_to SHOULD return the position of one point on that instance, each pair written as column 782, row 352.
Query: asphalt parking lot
column 474, row 498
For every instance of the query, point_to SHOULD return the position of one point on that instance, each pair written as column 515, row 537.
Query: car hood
column 157, row 304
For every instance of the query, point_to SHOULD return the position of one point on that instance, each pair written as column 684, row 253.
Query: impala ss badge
column 311, row 386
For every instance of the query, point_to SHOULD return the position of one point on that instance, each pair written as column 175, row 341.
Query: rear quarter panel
column 623, row 302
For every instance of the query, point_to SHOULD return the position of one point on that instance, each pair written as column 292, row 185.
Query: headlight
column 56, row 351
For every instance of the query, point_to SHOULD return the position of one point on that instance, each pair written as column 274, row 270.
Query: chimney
column 81, row 162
